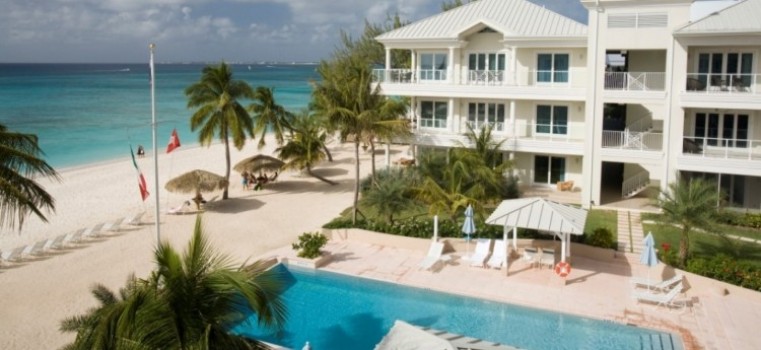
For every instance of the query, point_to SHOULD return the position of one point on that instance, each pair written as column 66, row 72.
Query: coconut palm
column 485, row 145
column 387, row 127
column 269, row 115
column 346, row 97
column 188, row 302
column 689, row 204
column 389, row 195
column 20, row 195
column 306, row 146
column 219, row 112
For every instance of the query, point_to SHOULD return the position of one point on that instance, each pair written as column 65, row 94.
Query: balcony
column 631, row 140
column 635, row 81
column 726, row 91
column 715, row 155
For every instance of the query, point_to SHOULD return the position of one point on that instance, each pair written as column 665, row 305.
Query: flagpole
column 152, row 47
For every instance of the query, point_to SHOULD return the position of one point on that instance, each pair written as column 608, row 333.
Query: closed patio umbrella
column 468, row 227
column 648, row 256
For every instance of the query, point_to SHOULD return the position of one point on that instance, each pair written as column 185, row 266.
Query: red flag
column 140, row 178
column 174, row 142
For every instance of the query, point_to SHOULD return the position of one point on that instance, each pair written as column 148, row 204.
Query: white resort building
column 649, row 91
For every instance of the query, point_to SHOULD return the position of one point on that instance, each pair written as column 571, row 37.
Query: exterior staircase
column 630, row 233
column 635, row 184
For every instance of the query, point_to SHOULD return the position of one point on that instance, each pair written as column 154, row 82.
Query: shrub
column 739, row 219
column 309, row 244
column 601, row 237
column 727, row 269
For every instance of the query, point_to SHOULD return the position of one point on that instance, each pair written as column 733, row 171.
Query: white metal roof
column 539, row 214
column 517, row 18
column 742, row 17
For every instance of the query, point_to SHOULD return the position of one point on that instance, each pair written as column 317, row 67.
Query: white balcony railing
column 548, row 132
column 433, row 123
column 635, row 183
column 710, row 147
column 632, row 140
column 635, row 81
column 524, row 78
column 478, row 125
column 716, row 83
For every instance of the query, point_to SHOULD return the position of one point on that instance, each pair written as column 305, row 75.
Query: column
column 450, row 66
column 451, row 116
column 413, row 65
column 386, row 72
column 511, row 121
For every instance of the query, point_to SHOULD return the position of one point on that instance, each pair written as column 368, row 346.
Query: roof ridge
column 710, row 15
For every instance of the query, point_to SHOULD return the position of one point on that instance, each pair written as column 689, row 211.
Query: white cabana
column 540, row 214
column 404, row 336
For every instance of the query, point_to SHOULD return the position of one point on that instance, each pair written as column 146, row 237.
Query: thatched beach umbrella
column 196, row 181
column 258, row 163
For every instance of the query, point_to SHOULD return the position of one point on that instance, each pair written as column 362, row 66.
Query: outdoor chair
column 547, row 258
column 499, row 255
column 656, row 285
column 73, row 237
column 54, row 243
column 135, row 219
column 531, row 255
column 660, row 299
column 483, row 248
column 434, row 256
column 113, row 225
column 93, row 231
column 13, row 255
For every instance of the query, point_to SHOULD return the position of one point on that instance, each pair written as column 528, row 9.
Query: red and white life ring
column 562, row 269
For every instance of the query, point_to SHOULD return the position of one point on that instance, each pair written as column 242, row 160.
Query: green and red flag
column 140, row 178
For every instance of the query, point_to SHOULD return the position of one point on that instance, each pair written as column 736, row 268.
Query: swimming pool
column 334, row 311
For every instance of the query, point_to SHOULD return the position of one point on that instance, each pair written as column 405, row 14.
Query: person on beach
column 244, row 180
column 140, row 151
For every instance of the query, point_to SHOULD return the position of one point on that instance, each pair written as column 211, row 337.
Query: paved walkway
column 630, row 233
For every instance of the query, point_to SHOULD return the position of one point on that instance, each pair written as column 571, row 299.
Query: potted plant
column 308, row 249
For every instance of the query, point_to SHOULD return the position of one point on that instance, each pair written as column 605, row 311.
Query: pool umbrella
column 257, row 163
column 648, row 256
column 468, row 227
column 196, row 181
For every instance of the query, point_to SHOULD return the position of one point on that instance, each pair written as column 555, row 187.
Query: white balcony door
column 486, row 67
column 481, row 114
column 433, row 66
column 721, row 130
column 548, row 170
column 718, row 68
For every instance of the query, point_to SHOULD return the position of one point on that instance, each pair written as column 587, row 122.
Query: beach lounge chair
column 483, row 248
column 531, row 255
column 54, row 243
column 73, row 237
column 92, row 232
column 499, row 255
column 33, row 249
column 113, row 226
column 13, row 255
column 547, row 258
column 664, row 285
column 180, row 209
column 433, row 257
column 660, row 299
column 134, row 219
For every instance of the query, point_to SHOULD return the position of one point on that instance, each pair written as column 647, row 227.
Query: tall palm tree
column 689, row 204
column 216, row 97
column 306, row 146
column 188, row 302
column 387, row 127
column 389, row 195
column 346, row 97
column 269, row 114
column 485, row 145
column 20, row 195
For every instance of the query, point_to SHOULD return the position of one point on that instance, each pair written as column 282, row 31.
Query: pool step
column 658, row 341
column 462, row 342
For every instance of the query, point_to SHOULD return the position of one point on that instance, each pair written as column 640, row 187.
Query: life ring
column 562, row 269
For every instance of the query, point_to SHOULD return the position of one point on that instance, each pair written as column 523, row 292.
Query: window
column 486, row 67
column 552, row 68
column 480, row 114
column 552, row 120
column 548, row 170
column 724, row 69
column 433, row 114
column 433, row 66
column 725, row 130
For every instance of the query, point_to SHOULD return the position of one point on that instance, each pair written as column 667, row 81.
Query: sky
column 119, row 31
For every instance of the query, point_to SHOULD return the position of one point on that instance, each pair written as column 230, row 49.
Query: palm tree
column 346, row 97
column 389, row 195
column 387, row 127
column 219, row 111
column 689, row 204
column 306, row 146
column 188, row 302
column 20, row 194
column 485, row 145
column 269, row 114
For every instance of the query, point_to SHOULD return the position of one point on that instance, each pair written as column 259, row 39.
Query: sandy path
column 36, row 295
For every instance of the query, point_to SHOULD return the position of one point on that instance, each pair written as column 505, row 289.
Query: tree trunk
column 318, row 177
column 684, row 246
column 327, row 152
column 372, row 157
column 227, row 159
column 356, row 181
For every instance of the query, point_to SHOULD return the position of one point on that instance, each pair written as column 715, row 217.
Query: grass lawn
column 723, row 229
column 706, row 244
column 602, row 218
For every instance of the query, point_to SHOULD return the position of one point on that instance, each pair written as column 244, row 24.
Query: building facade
column 649, row 91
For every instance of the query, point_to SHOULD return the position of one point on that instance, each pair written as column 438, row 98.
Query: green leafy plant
column 601, row 237
column 309, row 244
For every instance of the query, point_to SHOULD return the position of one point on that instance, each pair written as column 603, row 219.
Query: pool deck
column 597, row 289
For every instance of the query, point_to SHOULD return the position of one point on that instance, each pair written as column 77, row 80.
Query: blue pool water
column 334, row 311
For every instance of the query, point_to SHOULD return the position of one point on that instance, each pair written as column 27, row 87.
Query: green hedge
column 719, row 267
column 739, row 219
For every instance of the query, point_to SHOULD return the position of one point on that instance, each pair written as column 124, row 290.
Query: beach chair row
column 63, row 241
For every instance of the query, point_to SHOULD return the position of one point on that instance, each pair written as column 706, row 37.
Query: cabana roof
column 539, row 214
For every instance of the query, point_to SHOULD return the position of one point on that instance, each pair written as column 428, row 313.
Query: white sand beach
column 36, row 295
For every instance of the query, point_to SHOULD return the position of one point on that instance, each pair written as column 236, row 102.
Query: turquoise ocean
column 90, row 113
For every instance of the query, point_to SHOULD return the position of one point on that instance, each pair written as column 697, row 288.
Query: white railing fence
column 574, row 77
column 722, row 83
column 711, row 147
column 631, row 140
column 433, row 123
column 634, row 183
column 549, row 132
column 635, row 81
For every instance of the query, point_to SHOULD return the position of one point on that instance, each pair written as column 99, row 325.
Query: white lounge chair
column 33, row 249
column 134, row 219
column 53, row 243
column 499, row 255
column 113, row 226
column 656, row 285
column 531, row 255
column 659, row 299
column 433, row 257
column 547, row 258
column 483, row 249
column 183, row 208
column 13, row 255
column 93, row 231
column 73, row 237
